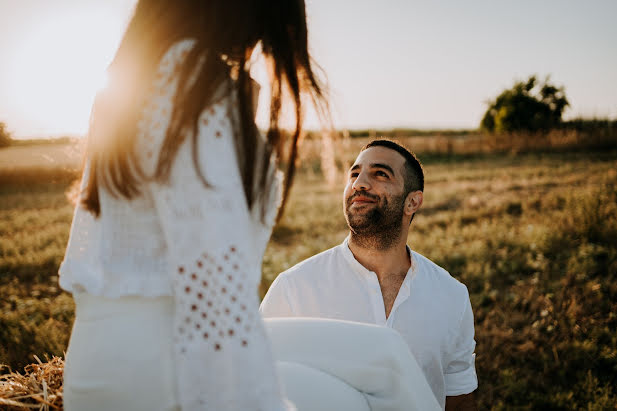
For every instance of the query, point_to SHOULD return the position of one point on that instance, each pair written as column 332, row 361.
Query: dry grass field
column 533, row 236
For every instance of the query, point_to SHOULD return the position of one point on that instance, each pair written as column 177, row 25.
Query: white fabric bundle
column 341, row 365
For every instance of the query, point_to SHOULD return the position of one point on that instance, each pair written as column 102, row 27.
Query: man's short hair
column 414, row 174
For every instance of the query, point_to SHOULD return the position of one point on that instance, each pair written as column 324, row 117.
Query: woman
column 179, row 195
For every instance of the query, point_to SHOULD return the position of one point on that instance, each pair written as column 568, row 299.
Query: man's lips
column 362, row 200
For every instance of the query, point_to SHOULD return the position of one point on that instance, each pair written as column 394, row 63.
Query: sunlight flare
column 60, row 66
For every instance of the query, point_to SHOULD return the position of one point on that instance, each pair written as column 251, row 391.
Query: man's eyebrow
column 384, row 166
column 354, row 167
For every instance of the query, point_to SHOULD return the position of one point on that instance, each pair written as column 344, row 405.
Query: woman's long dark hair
column 225, row 32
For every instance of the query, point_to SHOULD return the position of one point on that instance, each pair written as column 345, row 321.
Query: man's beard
column 380, row 227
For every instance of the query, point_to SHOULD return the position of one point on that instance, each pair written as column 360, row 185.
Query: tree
column 528, row 106
column 5, row 136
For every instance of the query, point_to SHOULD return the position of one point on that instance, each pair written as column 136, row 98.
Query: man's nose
column 362, row 183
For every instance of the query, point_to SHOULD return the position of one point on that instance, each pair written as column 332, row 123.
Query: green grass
column 534, row 238
column 35, row 315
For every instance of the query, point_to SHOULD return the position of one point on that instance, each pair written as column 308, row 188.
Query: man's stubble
column 380, row 227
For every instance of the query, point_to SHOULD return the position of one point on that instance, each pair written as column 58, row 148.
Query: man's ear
column 413, row 202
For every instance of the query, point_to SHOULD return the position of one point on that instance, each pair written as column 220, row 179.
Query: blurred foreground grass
column 533, row 236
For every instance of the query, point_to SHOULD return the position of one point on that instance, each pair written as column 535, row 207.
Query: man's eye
column 381, row 173
column 353, row 175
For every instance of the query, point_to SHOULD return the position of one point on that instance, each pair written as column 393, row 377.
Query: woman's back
column 124, row 251
column 181, row 238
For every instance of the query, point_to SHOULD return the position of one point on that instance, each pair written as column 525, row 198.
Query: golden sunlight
column 60, row 66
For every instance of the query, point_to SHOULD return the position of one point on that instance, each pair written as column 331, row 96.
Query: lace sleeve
column 222, row 355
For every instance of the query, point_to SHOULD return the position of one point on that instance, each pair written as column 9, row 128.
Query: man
column 373, row 277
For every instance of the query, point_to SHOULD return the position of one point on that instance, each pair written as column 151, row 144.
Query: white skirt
column 120, row 355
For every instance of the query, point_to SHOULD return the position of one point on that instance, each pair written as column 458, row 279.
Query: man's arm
column 460, row 374
column 465, row 402
column 276, row 302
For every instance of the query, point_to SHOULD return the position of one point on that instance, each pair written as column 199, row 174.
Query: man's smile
column 362, row 200
column 362, row 204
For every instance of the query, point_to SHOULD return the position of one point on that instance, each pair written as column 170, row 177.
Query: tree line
column 531, row 106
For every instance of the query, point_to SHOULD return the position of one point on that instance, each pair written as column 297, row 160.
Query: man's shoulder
column 435, row 273
column 313, row 265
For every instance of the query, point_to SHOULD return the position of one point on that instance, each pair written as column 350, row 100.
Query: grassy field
column 533, row 236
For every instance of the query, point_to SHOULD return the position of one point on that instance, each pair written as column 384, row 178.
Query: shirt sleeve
column 222, row 355
column 460, row 372
column 276, row 302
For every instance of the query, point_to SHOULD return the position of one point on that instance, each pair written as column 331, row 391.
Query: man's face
column 374, row 194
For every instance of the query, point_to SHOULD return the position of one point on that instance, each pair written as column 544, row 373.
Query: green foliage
column 5, row 136
column 557, row 316
column 35, row 315
column 529, row 106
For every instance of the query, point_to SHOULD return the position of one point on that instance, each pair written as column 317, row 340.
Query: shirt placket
column 402, row 296
column 379, row 310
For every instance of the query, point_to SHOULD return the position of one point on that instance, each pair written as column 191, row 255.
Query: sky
column 389, row 63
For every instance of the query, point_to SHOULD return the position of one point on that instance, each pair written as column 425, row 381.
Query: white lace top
column 199, row 244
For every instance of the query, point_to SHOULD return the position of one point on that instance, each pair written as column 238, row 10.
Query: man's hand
column 465, row 402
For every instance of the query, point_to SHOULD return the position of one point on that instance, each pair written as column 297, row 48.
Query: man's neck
column 393, row 261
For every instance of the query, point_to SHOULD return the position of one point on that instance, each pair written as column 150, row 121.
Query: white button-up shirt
column 432, row 310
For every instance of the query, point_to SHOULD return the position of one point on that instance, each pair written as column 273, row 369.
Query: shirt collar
column 362, row 270
column 351, row 260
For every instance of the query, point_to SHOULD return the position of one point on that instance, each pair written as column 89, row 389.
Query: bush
column 5, row 136
column 529, row 106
